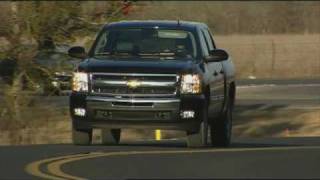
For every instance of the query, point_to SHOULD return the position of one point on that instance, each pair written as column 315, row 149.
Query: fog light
column 187, row 114
column 79, row 112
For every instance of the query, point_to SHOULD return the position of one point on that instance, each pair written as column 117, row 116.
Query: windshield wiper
column 158, row 54
column 161, row 55
column 116, row 54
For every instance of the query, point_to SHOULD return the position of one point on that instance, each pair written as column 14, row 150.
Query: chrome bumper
column 134, row 112
column 137, row 109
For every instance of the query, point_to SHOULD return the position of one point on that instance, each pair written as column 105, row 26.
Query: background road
column 246, row 158
column 252, row 157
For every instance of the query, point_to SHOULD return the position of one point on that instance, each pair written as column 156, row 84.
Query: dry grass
column 311, row 125
column 42, row 122
column 274, row 56
column 283, row 123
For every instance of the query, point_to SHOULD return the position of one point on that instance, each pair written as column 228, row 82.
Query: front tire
column 110, row 136
column 200, row 138
column 81, row 137
column 221, row 128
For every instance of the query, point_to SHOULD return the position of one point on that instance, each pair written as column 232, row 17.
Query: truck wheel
column 110, row 136
column 221, row 129
column 81, row 137
column 200, row 138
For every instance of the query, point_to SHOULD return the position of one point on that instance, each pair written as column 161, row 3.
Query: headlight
column 190, row 84
column 80, row 82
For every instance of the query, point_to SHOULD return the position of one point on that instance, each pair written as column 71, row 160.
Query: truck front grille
column 118, row 84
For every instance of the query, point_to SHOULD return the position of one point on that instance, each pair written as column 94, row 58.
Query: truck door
column 216, row 77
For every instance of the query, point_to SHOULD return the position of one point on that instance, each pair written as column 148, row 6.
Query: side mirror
column 77, row 52
column 217, row 55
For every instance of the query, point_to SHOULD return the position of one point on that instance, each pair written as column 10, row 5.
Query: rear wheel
column 81, row 137
column 221, row 129
column 200, row 138
column 110, row 136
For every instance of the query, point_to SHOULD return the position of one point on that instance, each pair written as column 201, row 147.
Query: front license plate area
column 132, row 115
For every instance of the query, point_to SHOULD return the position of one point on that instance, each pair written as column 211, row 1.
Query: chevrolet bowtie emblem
column 133, row 84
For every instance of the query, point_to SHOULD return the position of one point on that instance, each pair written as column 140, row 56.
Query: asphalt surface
column 289, row 158
column 246, row 158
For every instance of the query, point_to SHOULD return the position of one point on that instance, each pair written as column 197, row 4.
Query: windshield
column 166, row 43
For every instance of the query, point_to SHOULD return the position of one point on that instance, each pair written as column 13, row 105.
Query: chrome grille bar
column 135, row 74
column 115, row 84
column 142, row 83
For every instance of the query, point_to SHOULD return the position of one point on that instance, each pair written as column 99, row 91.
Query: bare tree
column 35, row 26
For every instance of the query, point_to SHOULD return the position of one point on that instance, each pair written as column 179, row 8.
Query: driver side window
column 208, row 39
column 204, row 44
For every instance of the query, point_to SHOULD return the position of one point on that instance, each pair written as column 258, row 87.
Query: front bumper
column 137, row 113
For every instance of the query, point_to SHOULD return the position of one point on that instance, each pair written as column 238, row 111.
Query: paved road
column 246, row 158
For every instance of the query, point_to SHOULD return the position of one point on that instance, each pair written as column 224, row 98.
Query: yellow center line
column 54, row 165
column 34, row 167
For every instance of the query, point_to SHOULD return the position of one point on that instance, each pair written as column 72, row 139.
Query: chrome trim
column 134, row 74
column 145, row 83
column 136, row 95
column 130, row 100
column 142, row 83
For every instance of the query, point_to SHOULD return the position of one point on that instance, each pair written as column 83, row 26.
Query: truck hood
column 138, row 66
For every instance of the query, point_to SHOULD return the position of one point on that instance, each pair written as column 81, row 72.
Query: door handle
column 215, row 73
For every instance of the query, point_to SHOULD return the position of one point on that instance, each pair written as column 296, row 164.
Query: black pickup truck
column 153, row 75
